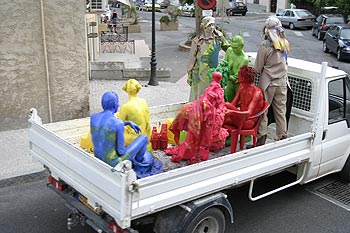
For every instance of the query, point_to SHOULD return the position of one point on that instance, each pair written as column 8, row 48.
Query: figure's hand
column 134, row 126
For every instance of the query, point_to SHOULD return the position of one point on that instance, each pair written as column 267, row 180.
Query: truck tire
column 211, row 220
column 344, row 174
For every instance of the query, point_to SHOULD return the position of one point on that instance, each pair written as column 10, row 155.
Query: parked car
column 323, row 22
column 337, row 40
column 148, row 6
column 237, row 8
column 164, row 4
column 296, row 18
column 188, row 10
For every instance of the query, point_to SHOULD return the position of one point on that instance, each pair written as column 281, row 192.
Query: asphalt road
column 28, row 206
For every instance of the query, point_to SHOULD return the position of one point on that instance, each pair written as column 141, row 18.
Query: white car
column 188, row 10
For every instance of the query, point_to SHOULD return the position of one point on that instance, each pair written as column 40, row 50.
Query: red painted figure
column 248, row 101
column 202, row 119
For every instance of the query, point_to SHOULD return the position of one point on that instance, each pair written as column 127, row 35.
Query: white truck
column 192, row 198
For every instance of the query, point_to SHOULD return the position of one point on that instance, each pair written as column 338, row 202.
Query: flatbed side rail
column 91, row 177
column 251, row 185
column 188, row 183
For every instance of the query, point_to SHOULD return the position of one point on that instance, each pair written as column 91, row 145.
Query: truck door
column 336, row 134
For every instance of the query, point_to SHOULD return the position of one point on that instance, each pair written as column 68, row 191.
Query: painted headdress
column 275, row 33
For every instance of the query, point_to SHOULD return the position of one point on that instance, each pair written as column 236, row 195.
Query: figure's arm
column 254, row 102
column 120, row 147
column 260, row 60
column 235, row 102
column 192, row 55
column 134, row 126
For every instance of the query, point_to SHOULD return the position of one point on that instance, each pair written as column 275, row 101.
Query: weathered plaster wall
column 23, row 80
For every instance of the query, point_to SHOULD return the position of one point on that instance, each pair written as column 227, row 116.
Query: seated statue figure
column 107, row 133
column 137, row 111
column 236, row 58
column 248, row 101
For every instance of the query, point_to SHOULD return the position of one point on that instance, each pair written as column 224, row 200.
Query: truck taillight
column 323, row 27
column 56, row 183
column 115, row 228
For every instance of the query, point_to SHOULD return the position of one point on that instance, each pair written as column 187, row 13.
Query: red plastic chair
column 235, row 131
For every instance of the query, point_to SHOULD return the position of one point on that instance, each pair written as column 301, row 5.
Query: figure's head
column 274, row 32
column 110, row 101
column 216, row 76
column 237, row 44
column 132, row 86
column 246, row 74
column 208, row 24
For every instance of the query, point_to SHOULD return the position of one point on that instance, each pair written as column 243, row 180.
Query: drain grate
column 337, row 191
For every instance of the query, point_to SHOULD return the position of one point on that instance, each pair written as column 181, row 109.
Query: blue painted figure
column 107, row 134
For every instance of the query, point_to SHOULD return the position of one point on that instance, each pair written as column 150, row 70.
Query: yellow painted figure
column 135, row 110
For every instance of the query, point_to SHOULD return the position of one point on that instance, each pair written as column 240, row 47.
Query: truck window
column 337, row 91
column 301, row 89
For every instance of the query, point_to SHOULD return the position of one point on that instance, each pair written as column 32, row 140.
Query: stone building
column 271, row 5
column 43, row 61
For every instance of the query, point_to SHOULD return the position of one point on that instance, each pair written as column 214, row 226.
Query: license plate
column 84, row 200
column 241, row 7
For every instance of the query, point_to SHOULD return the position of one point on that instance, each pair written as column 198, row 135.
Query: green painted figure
column 236, row 58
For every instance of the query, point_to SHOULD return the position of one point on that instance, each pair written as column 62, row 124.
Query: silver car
column 296, row 18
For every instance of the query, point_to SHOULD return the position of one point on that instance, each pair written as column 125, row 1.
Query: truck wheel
column 211, row 220
column 344, row 174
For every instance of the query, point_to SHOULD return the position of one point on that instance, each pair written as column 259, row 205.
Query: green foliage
column 224, row 69
column 174, row 12
column 343, row 6
column 164, row 19
column 134, row 13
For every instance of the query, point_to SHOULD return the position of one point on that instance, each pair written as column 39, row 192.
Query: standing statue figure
column 135, row 110
column 204, row 55
column 271, row 64
column 236, row 58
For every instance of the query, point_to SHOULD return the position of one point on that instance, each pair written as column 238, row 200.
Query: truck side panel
column 92, row 177
column 188, row 183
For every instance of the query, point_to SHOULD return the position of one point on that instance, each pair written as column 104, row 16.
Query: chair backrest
column 262, row 111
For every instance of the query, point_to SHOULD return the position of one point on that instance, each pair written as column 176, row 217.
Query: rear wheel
column 244, row 13
column 209, row 221
column 339, row 55
column 344, row 175
column 325, row 49
column 291, row 26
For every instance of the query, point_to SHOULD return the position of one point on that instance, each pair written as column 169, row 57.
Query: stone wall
column 24, row 81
